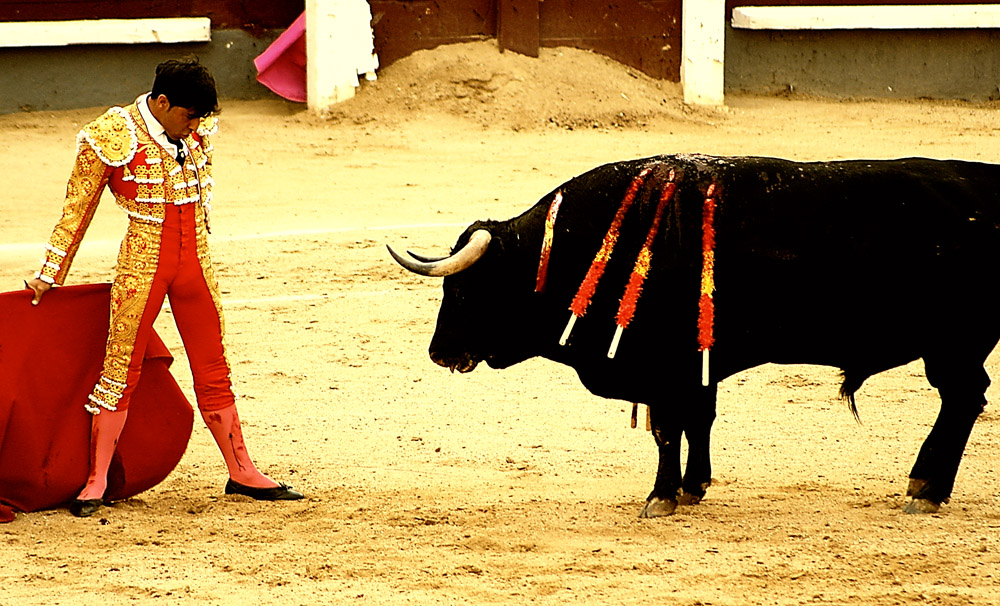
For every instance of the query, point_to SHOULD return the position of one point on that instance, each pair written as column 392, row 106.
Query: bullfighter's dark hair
column 187, row 83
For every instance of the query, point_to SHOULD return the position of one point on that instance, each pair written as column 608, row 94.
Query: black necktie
column 180, row 149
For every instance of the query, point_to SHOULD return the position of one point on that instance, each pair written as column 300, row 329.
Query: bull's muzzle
column 464, row 363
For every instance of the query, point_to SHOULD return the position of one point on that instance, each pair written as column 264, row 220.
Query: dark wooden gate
column 644, row 34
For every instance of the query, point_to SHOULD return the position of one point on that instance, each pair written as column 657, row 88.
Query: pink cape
column 50, row 358
column 282, row 67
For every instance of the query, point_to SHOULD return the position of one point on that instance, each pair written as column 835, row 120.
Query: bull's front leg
column 663, row 500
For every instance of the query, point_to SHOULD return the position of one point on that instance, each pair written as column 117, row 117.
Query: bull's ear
column 462, row 259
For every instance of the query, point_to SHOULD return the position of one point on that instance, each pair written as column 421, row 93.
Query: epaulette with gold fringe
column 209, row 125
column 112, row 137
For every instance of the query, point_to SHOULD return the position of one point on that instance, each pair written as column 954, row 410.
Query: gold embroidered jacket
column 117, row 151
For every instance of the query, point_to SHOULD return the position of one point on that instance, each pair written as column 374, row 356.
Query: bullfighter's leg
column 662, row 501
column 697, row 430
column 105, row 429
column 200, row 324
column 962, row 401
column 134, row 294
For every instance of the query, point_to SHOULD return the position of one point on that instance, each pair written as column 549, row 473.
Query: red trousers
column 179, row 276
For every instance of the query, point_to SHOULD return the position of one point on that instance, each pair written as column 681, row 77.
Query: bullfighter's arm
column 83, row 193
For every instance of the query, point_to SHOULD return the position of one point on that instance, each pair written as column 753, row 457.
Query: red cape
column 50, row 359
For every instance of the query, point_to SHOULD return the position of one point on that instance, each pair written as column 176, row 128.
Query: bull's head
column 499, row 306
column 443, row 267
column 488, row 312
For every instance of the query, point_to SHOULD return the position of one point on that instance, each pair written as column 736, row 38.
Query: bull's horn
column 425, row 258
column 463, row 259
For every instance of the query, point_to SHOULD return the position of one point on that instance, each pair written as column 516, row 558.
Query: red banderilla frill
column 550, row 226
column 600, row 262
column 706, row 305
column 626, row 310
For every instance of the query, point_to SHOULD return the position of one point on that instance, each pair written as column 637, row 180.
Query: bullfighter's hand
column 40, row 287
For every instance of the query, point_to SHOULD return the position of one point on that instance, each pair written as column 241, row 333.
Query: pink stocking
column 225, row 427
column 105, row 428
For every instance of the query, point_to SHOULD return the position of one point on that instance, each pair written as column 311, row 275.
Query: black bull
column 859, row 265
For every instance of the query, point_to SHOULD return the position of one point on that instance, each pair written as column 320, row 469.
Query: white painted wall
column 339, row 46
column 703, row 35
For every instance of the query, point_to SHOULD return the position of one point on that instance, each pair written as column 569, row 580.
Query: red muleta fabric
column 50, row 358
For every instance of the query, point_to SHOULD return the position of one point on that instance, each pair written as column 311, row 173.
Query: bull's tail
column 853, row 405
column 847, row 389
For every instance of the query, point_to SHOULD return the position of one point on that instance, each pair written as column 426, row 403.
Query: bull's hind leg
column 962, row 388
column 698, row 430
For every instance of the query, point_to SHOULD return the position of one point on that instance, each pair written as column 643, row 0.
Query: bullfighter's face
column 177, row 121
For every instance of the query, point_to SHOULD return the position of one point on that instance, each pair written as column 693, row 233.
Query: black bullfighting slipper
column 85, row 507
column 281, row 492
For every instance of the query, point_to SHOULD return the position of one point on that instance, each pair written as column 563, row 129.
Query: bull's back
column 870, row 263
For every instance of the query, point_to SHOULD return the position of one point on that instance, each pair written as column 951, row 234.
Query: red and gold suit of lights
column 167, row 203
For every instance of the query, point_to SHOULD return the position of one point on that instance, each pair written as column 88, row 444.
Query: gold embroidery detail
column 209, row 125
column 112, row 136
column 137, row 261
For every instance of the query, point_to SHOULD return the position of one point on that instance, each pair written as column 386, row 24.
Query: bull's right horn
column 473, row 250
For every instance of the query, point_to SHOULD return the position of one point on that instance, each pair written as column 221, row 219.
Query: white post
column 703, row 40
column 330, row 78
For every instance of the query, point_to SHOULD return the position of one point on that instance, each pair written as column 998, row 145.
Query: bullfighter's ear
column 462, row 259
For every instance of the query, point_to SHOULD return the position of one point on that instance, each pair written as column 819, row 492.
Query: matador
column 155, row 156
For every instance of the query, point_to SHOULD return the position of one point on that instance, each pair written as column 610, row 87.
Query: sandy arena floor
column 518, row 486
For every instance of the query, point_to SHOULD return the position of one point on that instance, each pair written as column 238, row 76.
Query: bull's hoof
column 921, row 506
column 687, row 498
column 915, row 487
column 919, row 503
column 693, row 497
column 657, row 508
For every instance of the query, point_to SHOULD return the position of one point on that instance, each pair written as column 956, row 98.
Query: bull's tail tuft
column 847, row 390
column 853, row 405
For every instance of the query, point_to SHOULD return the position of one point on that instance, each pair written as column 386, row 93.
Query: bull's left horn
column 463, row 259
column 425, row 258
